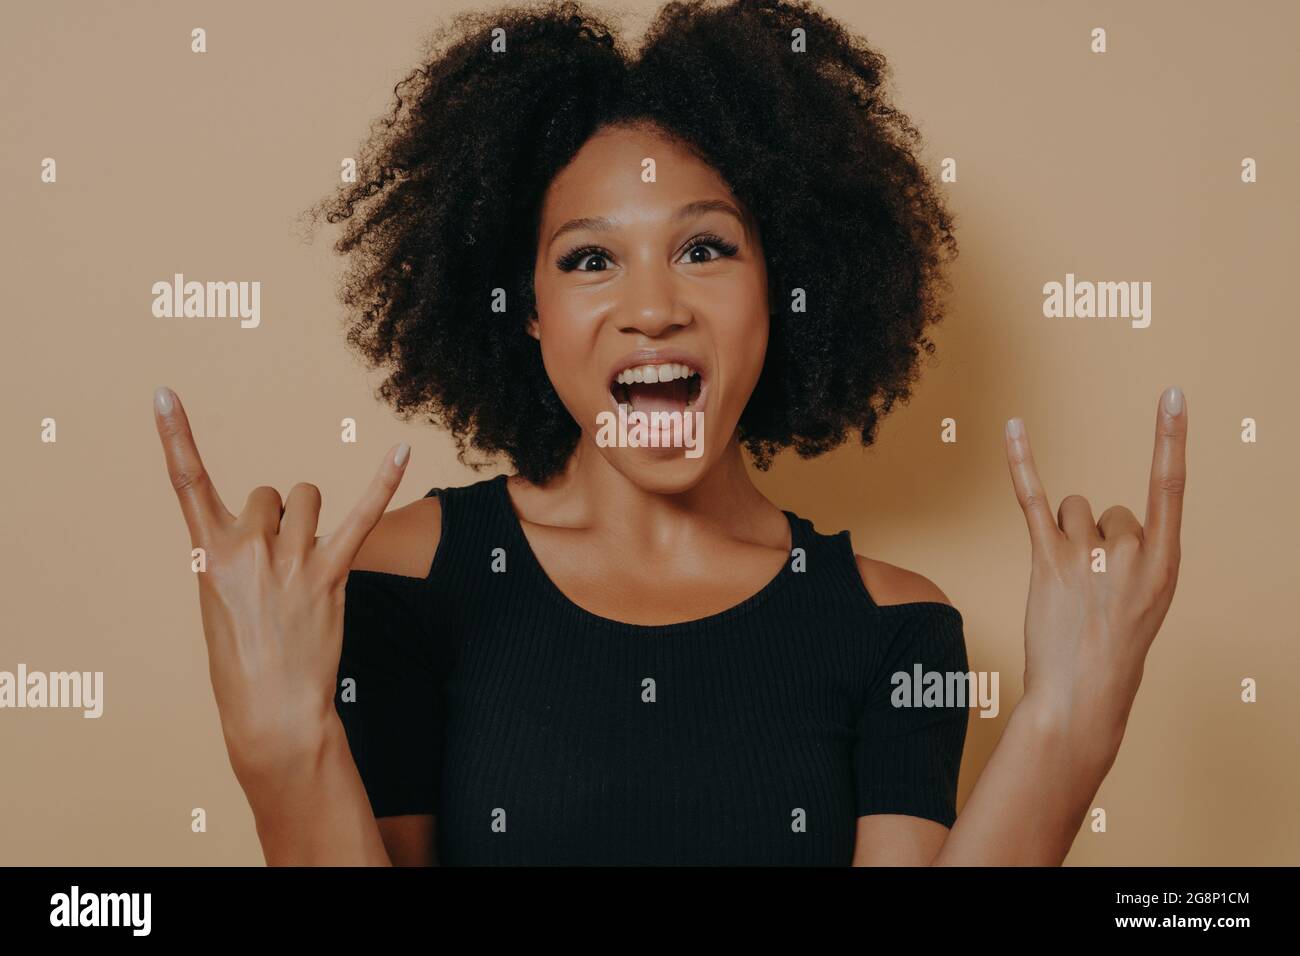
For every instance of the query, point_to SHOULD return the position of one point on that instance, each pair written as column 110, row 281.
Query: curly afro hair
column 447, row 202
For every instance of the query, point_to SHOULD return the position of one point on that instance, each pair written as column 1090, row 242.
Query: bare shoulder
column 404, row 541
column 890, row 584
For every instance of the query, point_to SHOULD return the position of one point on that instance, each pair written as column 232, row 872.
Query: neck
column 592, row 493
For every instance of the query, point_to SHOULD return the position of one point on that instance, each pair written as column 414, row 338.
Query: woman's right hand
column 271, row 599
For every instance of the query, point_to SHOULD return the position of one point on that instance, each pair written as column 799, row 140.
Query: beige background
column 1122, row 166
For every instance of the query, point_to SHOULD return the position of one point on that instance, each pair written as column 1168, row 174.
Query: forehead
column 605, row 177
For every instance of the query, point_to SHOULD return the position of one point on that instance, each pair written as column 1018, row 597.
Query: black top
column 540, row 733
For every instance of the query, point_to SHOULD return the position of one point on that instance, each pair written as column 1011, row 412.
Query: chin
column 662, row 471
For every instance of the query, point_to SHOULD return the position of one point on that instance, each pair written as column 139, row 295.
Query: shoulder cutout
column 404, row 541
column 888, row 584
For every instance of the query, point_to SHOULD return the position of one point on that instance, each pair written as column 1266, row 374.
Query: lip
column 662, row 357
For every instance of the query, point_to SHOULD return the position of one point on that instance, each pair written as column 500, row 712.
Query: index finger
column 346, row 540
column 200, row 503
column 1164, row 517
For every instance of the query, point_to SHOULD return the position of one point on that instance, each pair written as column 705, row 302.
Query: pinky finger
column 347, row 539
column 1028, row 486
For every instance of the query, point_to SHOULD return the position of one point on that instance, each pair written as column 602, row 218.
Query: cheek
column 748, row 331
column 566, row 341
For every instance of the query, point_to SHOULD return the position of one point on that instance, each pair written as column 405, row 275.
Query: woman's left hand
column 1087, row 630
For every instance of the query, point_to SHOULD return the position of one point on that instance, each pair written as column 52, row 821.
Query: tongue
column 659, row 396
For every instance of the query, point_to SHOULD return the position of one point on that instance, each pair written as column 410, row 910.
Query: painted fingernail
column 162, row 399
column 1173, row 400
column 403, row 451
column 1015, row 427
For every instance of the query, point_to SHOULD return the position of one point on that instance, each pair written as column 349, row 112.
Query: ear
column 533, row 330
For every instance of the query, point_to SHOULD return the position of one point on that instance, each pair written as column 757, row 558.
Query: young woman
column 622, row 653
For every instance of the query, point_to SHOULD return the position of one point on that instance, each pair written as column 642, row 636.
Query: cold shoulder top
column 538, row 732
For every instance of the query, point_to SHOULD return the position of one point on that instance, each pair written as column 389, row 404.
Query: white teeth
column 654, row 373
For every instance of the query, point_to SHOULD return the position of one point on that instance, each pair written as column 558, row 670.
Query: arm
column 271, row 598
column 1033, row 795
column 1025, row 810
column 1088, row 628
column 896, row 839
column 296, row 826
column 1087, row 633
column 404, row 544
column 411, row 840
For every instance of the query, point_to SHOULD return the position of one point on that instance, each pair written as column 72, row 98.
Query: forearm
column 1033, row 795
column 313, row 810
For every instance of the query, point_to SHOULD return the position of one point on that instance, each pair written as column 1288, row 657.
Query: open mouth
column 671, row 387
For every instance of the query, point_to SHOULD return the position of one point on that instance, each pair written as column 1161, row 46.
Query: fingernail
column 1173, row 400
column 1015, row 427
column 403, row 450
column 162, row 399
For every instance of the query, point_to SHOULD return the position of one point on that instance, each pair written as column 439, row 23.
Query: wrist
column 1089, row 743
column 267, row 761
column 312, row 809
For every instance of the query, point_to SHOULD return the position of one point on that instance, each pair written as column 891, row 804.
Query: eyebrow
column 696, row 208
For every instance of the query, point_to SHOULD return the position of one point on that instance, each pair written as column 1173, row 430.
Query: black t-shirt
column 540, row 733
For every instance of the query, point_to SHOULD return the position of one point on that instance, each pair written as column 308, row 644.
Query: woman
column 625, row 653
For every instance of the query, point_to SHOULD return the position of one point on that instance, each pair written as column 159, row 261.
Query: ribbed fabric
column 540, row 733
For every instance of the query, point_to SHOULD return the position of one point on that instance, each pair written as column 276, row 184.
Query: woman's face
column 651, row 293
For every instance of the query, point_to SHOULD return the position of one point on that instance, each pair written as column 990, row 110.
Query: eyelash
column 569, row 261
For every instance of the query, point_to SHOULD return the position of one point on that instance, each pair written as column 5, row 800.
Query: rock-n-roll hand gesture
column 271, row 597
column 1087, row 631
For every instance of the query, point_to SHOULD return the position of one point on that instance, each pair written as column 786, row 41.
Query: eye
column 570, row 261
column 587, row 258
column 725, row 249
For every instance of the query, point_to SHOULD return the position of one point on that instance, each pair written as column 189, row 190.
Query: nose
column 650, row 304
